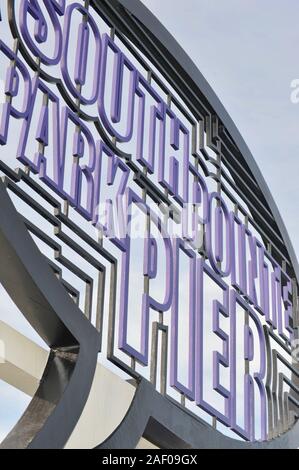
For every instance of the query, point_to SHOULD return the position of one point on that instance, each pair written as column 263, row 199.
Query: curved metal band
column 175, row 54
column 74, row 342
column 162, row 422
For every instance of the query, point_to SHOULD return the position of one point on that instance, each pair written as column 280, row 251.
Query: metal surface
column 160, row 421
column 50, row 303
column 74, row 342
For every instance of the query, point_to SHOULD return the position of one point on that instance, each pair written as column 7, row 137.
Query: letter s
column 41, row 28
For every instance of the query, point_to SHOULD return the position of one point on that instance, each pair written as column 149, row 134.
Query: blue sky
column 247, row 50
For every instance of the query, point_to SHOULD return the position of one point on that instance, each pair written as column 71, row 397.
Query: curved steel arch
column 174, row 53
column 57, row 405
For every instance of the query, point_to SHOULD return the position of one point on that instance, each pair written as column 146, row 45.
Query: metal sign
column 127, row 161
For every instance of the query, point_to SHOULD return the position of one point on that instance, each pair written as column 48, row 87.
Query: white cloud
column 2, row 95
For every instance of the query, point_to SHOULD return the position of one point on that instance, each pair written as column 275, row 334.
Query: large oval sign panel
column 136, row 230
